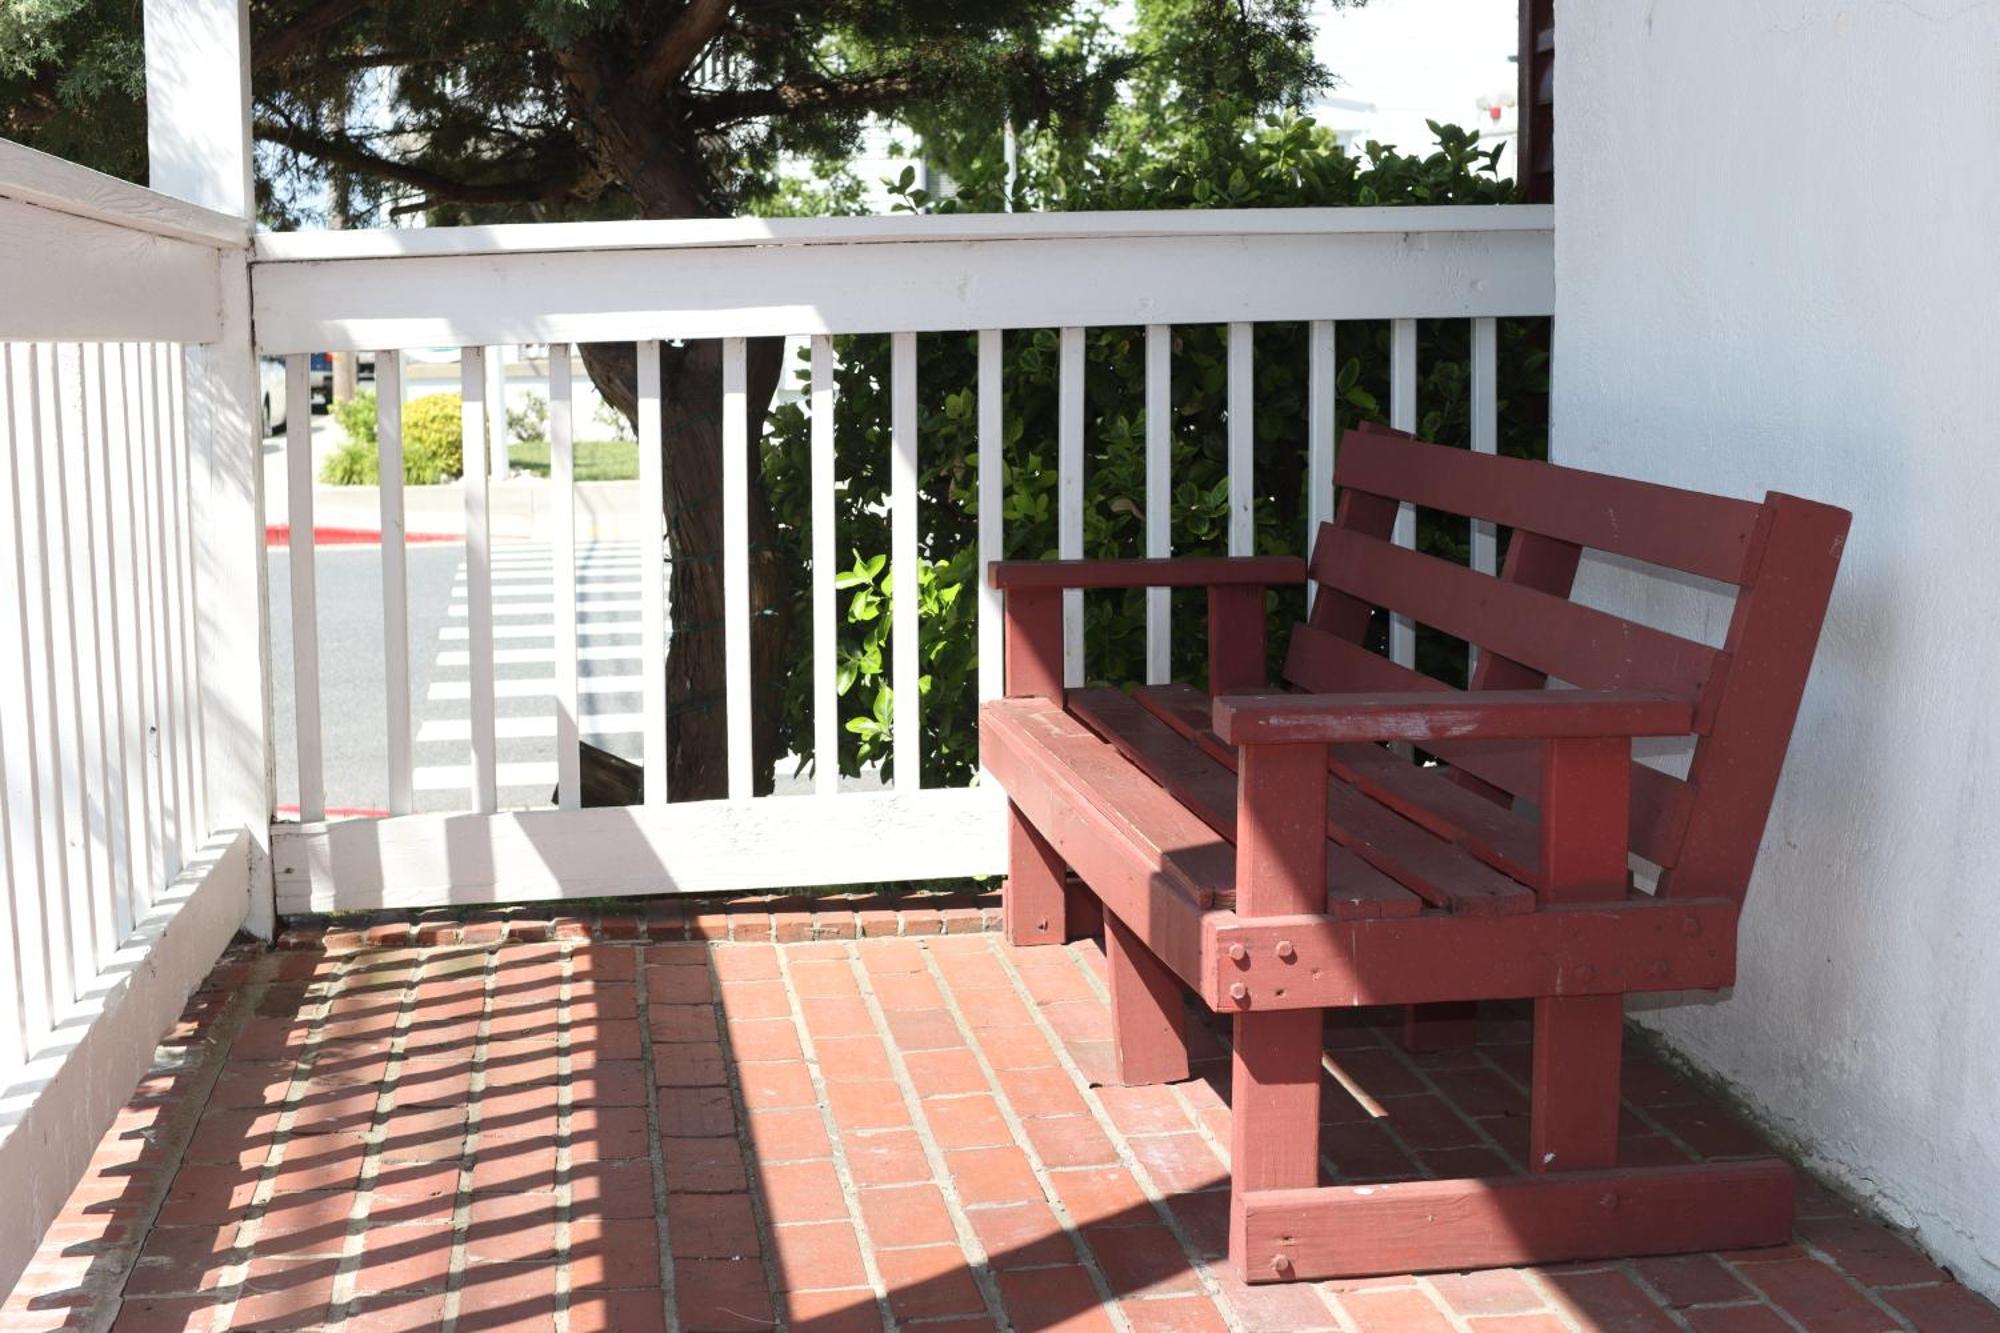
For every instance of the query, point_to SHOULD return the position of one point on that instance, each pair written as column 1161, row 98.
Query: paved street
column 352, row 672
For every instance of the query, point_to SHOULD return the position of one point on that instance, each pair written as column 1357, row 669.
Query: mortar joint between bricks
column 1086, row 1258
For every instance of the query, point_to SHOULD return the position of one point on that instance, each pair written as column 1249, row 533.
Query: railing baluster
column 182, row 560
column 562, row 476
column 1159, row 496
column 1069, row 492
column 653, row 572
column 1485, row 427
column 93, row 833
column 1242, row 440
column 68, row 747
column 1322, row 378
column 903, row 584
column 305, row 592
column 102, row 468
column 992, row 511
column 474, row 407
column 1403, row 416
column 736, row 566
column 826, row 644
column 496, row 412
column 20, row 729
column 142, row 793
column 45, row 685
column 395, row 578
column 165, row 612
column 1485, row 440
column 158, row 798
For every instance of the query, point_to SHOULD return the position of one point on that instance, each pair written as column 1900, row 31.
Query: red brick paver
column 737, row 1120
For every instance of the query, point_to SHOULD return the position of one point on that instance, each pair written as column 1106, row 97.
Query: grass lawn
column 596, row 460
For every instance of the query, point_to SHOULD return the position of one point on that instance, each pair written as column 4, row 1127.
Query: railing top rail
column 544, row 238
column 32, row 177
column 902, row 275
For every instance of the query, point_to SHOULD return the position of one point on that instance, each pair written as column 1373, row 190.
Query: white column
column 198, row 145
column 198, row 102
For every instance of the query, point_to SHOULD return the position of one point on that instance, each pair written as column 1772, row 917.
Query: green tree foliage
column 73, row 81
column 545, row 109
column 1230, row 155
column 533, row 110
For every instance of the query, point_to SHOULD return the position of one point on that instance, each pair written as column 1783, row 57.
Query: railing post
column 198, row 144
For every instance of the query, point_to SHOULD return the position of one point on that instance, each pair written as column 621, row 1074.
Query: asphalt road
column 352, row 693
column 352, row 673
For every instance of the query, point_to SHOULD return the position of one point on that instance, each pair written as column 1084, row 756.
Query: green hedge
column 1276, row 161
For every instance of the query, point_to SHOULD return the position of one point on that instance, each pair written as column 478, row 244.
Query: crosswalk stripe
column 597, row 605
column 440, row 729
column 524, row 606
column 544, row 566
column 541, row 589
column 610, row 630
column 584, row 573
column 511, row 773
column 533, row 687
column 458, row 657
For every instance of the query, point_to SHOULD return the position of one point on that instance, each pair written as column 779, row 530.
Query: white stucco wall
column 1778, row 267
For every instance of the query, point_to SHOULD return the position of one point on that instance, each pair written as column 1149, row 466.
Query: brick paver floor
column 828, row 1135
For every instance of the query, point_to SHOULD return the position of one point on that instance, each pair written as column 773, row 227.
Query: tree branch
column 740, row 104
column 346, row 153
column 285, row 34
column 678, row 47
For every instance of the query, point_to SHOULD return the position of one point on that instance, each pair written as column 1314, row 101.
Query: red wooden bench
column 1280, row 853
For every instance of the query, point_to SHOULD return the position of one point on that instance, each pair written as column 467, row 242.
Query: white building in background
column 1397, row 64
column 1400, row 63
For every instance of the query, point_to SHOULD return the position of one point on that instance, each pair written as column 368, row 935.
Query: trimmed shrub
column 433, row 444
column 433, row 450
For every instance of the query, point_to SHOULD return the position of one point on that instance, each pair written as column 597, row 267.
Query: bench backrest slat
column 1708, row 535
column 1555, row 636
column 1781, row 556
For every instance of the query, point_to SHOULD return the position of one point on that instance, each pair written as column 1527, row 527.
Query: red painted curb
column 280, row 534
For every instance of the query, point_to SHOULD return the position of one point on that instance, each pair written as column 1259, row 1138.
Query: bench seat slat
column 1555, row 636
column 1208, row 788
column 1414, row 855
column 1424, row 796
column 1143, row 854
column 1321, row 663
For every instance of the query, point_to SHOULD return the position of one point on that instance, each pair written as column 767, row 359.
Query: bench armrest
column 1339, row 719
column 1171, row 572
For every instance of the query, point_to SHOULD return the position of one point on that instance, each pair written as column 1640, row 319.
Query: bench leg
column 1273, row 1119
column 1084, row 914
column 1452, row 1026
column 1148, row 1018
column 1573, row 1123
column 1031, row 908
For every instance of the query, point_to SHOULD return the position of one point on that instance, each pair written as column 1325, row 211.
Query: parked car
column 271, row 383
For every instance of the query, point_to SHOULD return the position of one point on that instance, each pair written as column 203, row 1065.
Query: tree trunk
column 662, row 169
column 691, row 418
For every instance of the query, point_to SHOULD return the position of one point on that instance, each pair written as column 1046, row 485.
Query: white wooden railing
column 105, row 772
column 475, row 288
column 131, row 685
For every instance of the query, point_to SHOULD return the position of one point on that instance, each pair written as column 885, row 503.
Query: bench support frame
column 1165, row 879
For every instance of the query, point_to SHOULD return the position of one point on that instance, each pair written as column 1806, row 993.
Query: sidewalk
column 519, row 509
